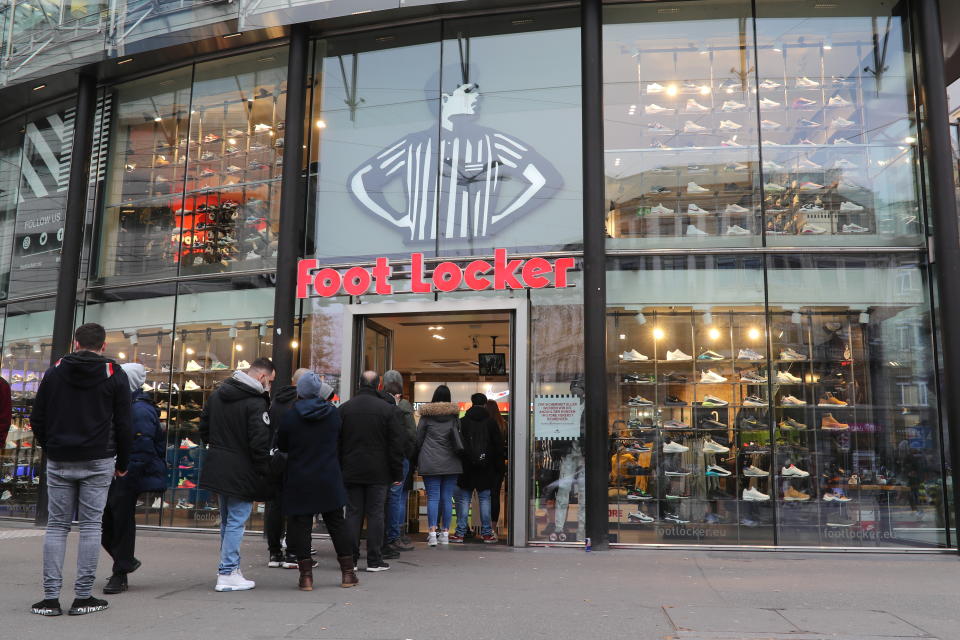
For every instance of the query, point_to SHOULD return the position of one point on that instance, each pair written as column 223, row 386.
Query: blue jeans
column 463, row 510
column 79, row 487
column 397, row 506
column 234, row 513
column 440, row 490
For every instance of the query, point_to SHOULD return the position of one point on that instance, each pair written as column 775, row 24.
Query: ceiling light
column 714, row 333
column 658, row 333
column 239, row 347
column 778, row 45
column 623, row 336
column 910, row 140
column 250, row 99
column 321, row 124
column 753, row 333
column 190, row 351
column 231, row 141
column 158, row 119
column 125, row 61
column 522, row 21
column 671, row 90
column 439, row 328
column 39, row 86
column 827, row 44
column 122, row 355
column 294, row 344
column 233, row 35
column 704, row 90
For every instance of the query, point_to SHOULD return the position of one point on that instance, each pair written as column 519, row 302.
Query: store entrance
column 468, row 351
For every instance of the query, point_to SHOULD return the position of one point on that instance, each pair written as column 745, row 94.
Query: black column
column 945, row 254
column 594, row 274
column 74, row 216
column 292, row 217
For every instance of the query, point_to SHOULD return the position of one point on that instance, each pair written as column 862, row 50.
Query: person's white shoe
column 444, row 537
column 234, row 582
column 432, row 539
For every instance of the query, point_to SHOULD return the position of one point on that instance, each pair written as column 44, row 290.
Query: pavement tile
column 693, row 618
column 852, row 621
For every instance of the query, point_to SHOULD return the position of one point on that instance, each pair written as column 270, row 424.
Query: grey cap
column 310, row 386
column 136, row 374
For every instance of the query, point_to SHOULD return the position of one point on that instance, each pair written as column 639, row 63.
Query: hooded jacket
column 371, row 445
column 438, row 439
column 473, row 424
column 309, row 433
column 148, row 466
column 236, row 426
column 282, row 401
column 82, row 410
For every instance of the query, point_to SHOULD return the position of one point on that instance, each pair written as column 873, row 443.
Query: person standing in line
column 396, row 512
column 371, row 459
column 235, row 426
column 274, row 524
column 494, row 410
column 81, row 418
column 146, row 472
column 482, row 465
column 308, row 433
column 439, row 446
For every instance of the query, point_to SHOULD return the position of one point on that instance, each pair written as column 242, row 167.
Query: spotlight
column 658, row 333
column 714, row 333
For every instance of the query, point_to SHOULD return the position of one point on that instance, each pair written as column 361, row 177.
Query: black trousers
column 273, row 525
column 299, row 528
column 495, row 502
column 119, row 536
column 367, row 500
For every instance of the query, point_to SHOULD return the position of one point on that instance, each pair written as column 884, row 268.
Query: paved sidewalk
column 476, row 592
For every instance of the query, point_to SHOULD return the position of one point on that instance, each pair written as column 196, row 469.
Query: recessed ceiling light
column 522, row 21
column 39, row 86
column 125, row 61
column 233, row 35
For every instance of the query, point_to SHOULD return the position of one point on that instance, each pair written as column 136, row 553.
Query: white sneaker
column 695, row 209
column 770, row 84
column 191, row 386
column 811, row 208
column 793, row 472
column 709, row 446
column 837, row 101
column 655, row 87
column 674, row 447
column 243, row 364
column 444, row 537
column 633, row 356
column 234, row 582
column 717, row 470
column 841, row 141
column 843, row 163
column 661, row 210
column 193, row 366
column 732, row 142
column 735, row 208
column 692, row 230
column 850, row 206
column 807, row 83
column 432, row 539
column 260, row 127
column 692, row 127
column 752, row 495
column 843, row 123
column 693, row 187
column 769, row 125
column 785, row 377
column 807, row 163
column 791, row 401
column 773, row 187
column 187, row 443
column 770, row 165
column 811, row 229
column 654, row 109
column 711, row 377
column 853, row 228
column 678, row 355
column 695, row 107
column 732, row 105
column 767, row 103
column 641, row 517
column 792, row 354
column 749, row 354
column 755, row 472
column 713, row 401
column 729, row 125
column 737, row 230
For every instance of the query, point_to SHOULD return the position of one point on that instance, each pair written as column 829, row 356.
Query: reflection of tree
column 556, row 334
column 326, row 340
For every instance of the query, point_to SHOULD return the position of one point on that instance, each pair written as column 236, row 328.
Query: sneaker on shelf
column 661, row 210
column 755, row 472
column 846, row 205
column 729, row 125
column 737, row 230
column 633, row 356
column 676, row 354
column 752, row 377
column 234, row 582
column 639, row 401
column 193, row 366
column 807, row 142
column 695, row 107
column 243, row 364
column 839, row 520
column 803, row 123
column 807, row 83
column 157, row 504
column 673, row 518
column 183, row 504
column 789, row 423
column 754, row 401
column 793, row 472
column 655, row 87
column 236, row 133
column 261, row 127
column 794, row 495
column 751, row 423
column 829, row 423
column 674, row 447
column 693, row 187
column 674, row 401
column 187, row 443
column 655, row 109
column 735, row 167
column 676, row 474
column 804, row 103
column 735, row 208
column 638, row 494
column 753, row 495
column 186, row 484
column 713, row 401
column 218, row 366
column 838, row 101
column 773, row 187
column 792, row 354
column 853, row 228
column 710, row 355
column 769, row 125
column 716, row 470
column 792, row 401
column 767, row 103
column 811, row 229
column 811, row 207
column 842, row 123
column 675, row 425
column 829, row 496
column 807, row 163
column 191, row 386
column 843, row 163
column 712, row 423
column 749, row 354
column 692, row 127
column 830, row 400
column 674, row 377
column 770, row 84
column 694, row 209
column 211, row 137
column 732, row 142
column 658, row 128
column 711, row 377
column 710, row 446
column 810, row 186
column 640, row 517
column 842, row 141
column 770, row 165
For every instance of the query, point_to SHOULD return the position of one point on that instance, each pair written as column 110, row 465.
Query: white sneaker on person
column 234, row 582
column 444, row 537
column 432, row 539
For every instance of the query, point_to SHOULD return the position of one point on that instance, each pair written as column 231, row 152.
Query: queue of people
column 299, row 452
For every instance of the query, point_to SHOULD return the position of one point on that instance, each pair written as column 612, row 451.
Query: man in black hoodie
column 235, row 425
column 81, row 418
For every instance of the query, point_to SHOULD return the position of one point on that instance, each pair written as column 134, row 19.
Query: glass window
column 26, row 356
column 841, row 164
column 10, row 156
column 680, row 125
column 687, row 401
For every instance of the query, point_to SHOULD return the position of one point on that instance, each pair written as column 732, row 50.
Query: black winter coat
column 486, row 475
column 235, row 424
column 282, row 402
column 371, row 445
column 309, row 433
column 148, row 465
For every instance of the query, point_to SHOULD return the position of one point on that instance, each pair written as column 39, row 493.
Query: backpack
column 476, row 441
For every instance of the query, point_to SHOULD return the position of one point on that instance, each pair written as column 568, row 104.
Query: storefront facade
column 709, row 223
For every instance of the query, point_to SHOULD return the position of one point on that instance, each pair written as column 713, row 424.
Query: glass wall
column 788, row 401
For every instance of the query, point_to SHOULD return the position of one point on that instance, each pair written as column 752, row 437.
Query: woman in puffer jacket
column 439, row 447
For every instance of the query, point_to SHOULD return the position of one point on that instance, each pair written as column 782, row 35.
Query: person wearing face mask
column 235, row 424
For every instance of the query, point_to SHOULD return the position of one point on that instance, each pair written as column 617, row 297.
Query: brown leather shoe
column 306, row 574
column 348, row 575
column 829, row 423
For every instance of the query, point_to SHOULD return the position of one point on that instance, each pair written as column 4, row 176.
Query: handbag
column 458, row 447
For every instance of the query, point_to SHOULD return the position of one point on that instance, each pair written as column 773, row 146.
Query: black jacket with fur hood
column 438, row 439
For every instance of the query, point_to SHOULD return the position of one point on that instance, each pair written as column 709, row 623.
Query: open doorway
column 470, row 352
